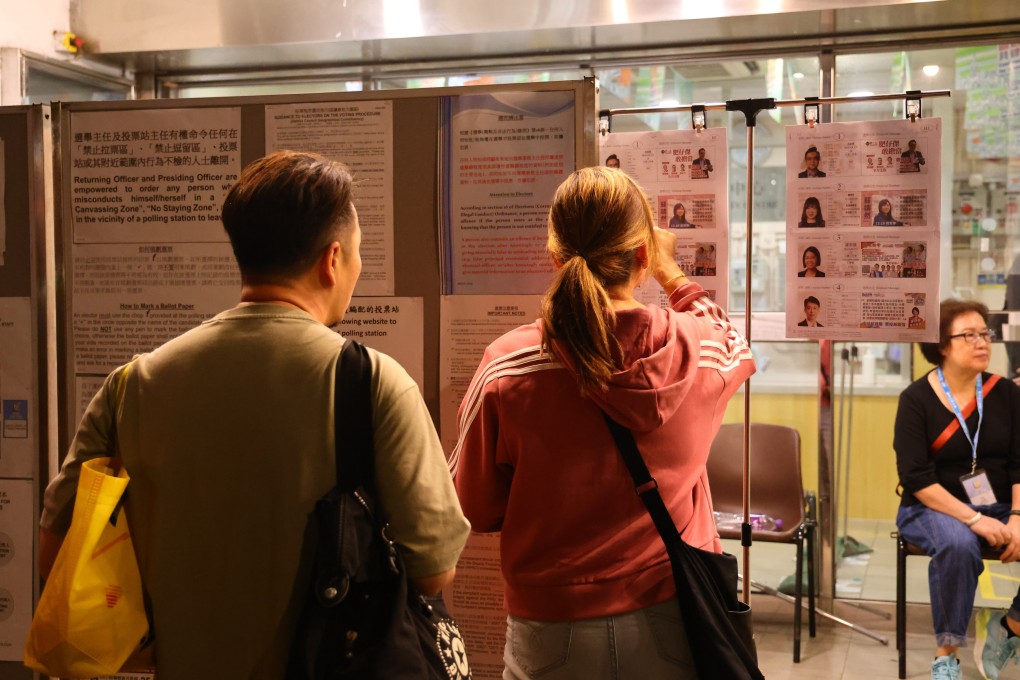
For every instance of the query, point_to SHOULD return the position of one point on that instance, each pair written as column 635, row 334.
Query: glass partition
column 980, row 243
column 47, row 80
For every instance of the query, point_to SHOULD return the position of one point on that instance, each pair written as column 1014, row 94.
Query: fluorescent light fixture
column 668, row 103
column 930, row 70
column 798, row 75
column 862, row 93
column 402, row 19
column 621, row 14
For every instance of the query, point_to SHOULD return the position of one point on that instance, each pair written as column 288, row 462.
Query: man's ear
column 329, row 261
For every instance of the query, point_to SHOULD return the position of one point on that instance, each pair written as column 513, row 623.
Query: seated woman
column 958, row 456
column 884, row 217
column 679, row 218
column 811, row 215
column 811, row 259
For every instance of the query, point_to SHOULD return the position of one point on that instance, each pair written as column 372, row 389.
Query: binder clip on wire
column 810, row 112
column 698, row 118
column 912, row 108
column 603, row 125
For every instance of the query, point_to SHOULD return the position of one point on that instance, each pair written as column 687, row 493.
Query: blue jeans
column 956, row 563
column 649, row 643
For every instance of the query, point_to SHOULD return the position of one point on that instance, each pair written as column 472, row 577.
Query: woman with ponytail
column 589, row 587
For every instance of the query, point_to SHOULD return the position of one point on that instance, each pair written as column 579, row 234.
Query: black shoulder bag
column 363, row 617
column 718, row 625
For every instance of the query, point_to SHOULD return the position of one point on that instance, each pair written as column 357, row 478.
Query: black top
column 921, row 418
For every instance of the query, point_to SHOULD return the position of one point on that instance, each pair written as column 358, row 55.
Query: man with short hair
column 613, row 161
column 811, row 308
column 911, row 160
column 227, row 433
column 812, row 157
column 701, row 166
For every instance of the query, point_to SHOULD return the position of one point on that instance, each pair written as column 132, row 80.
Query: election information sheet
column 18, row 422
column 502, row 157
column 685, row 174
column 391, row 325
column 359, row 134
column 468, row 324
column 3, row 209
column 863, row 208
column 149, row 256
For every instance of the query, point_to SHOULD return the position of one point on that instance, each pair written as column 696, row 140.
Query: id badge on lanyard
column 975, row 484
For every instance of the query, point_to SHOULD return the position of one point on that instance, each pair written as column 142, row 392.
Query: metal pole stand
column 751, row 108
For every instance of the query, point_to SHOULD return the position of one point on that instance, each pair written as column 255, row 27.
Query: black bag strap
column 352, row 418
column 644, row 484
column 680, row 554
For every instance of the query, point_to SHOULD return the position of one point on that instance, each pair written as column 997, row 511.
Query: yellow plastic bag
column 91, row 615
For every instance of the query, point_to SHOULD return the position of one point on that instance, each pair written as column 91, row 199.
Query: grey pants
column 649, row 644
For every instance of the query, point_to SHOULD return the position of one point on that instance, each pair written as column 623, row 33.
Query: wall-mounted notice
column 152, row 176
column 863, row 208
column 503, row 155
column 17, row 547
column 685, row 174
column 18, row 453
column 150, row 258
column 359, row 134
column 468, row 323
column 391, row 325
column 131, row 298
column 3, row 209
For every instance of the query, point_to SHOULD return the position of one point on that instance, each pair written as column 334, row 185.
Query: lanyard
column 959, row 416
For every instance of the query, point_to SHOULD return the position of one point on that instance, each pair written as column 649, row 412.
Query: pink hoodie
column 535, row 460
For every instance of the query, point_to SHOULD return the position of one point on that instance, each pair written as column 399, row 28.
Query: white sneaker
column 946, row 668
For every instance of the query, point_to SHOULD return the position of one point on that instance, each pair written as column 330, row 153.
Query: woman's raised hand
column 666, row 268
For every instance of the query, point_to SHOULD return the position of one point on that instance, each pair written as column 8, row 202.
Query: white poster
column 475, row 599
column 17, row 556
column 3, row 206
column 359, row 134
column 131, row 298
column 391, row 325
column 18, row 420
column 685, row 174
column 156, row 176
column 863, row 212
column 468, row 324
column 150, row 258
column 503, row 155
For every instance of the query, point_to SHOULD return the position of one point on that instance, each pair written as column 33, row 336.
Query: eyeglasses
column 972, row 337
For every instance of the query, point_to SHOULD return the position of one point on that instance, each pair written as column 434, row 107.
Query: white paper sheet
column 863, row 230
column 155, row 176
column 359, row 134
column 18, row 420
column 17, row 549
column 391, row 325
column 685, row 174
column 468, row 324
column 503, row 156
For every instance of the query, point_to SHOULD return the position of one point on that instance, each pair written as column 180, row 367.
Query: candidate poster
column 685, row 175
column 862, row 223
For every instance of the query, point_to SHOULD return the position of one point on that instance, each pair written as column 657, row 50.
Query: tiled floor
column 839, row 652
